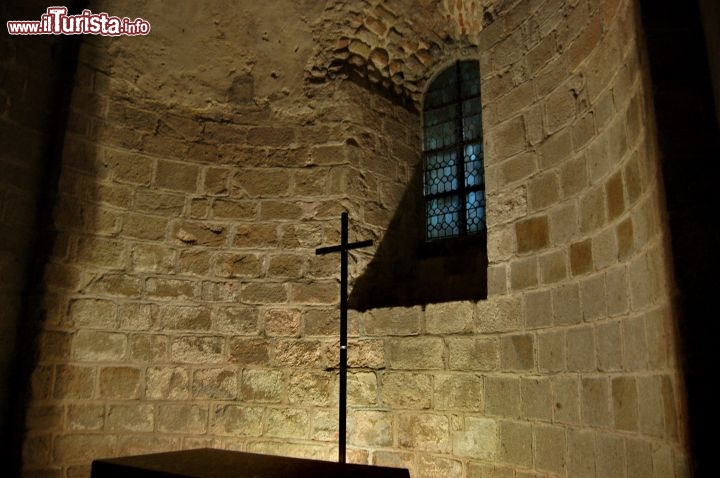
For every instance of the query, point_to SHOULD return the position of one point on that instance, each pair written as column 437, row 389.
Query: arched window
column 453, row 185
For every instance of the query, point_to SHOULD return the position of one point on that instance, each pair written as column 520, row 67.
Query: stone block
column 145, row 227
column 95, row 313
column 573, row 175
column 481, row 470
column 407, row 390
column 280, row 210
column 176, row 176
column 421, row 353
column 635, row 352
column 537, row 403
column 235, row 320
column 516, row 443
column 182, row 418
column 467, row 354
column 566, row 305
column 593, row 297
column 228, row 209
column 449, row 318
column 596, row 402
column 249, row 351
column 214, row 384
column 303, row 354
column 236, row 420
column 215, row 181
column 592, row 210
column 282, row 322
column 163, row 383
column 458, row 391
column 316, row 293
column 581, row 454
column 311, row 389
column 424, row 432
column 518, row 167
column 581, row 350
column 99, row 346
column 560, row 108
column 135, row 418
column 497, row 280
column 616, row 281
column 517, row 352
column 532, row 234
column 260, row 183
column 152, row 258
column 538, row 309
column 429, row 466
column 238, row 265
column 566, row 396
column 551, row 351
column 625, row 403
column 81, row 416
column 362, row 389
column 371, row 428
column 609, row 347
column 524, row 273
column 502, row 396
column 639, row 457
column 263, row 386
column 163, row 204
column 553, row 267
column 287, row 422
column 369, row 353
column 563, row 222
column 651, row 410
column 171, row 289
column 197, row 349
column 173, row 317
column 506, row 139
column 543, row 191
column 321, row 321
column 555, row 150
column 119, row 383
column 605, row 248
column 392, row 321
column 550, row 446
column 325, row 428
column 286, row 265
column 609, row 456
column 264, row 293
column 478, row 439
column 100, row 252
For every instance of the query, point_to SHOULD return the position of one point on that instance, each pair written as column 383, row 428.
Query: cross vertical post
column 343, row 249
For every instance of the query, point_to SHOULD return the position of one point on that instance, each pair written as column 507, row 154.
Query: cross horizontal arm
column 341, row 247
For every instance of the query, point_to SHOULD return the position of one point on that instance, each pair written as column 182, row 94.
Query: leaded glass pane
column 470, row 75
column 443, row 90
column 471, row 128
column 473, row 165
column 475, row 211
column 443, row 216
column 440, row 115
column 440, row 136
column 441, row 173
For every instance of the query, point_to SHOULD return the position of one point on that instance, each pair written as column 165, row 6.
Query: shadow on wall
column 407, row 271
column 40, row 112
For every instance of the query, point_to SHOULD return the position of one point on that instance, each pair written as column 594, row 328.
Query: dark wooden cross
column 343, row 249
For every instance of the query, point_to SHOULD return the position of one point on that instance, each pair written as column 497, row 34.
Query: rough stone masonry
column 204, row 163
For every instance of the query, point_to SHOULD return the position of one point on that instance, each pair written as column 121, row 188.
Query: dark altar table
column 211, row 463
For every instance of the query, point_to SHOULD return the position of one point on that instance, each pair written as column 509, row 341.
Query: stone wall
column 205, row 163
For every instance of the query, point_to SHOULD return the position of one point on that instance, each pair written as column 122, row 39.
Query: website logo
column 56, row 21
